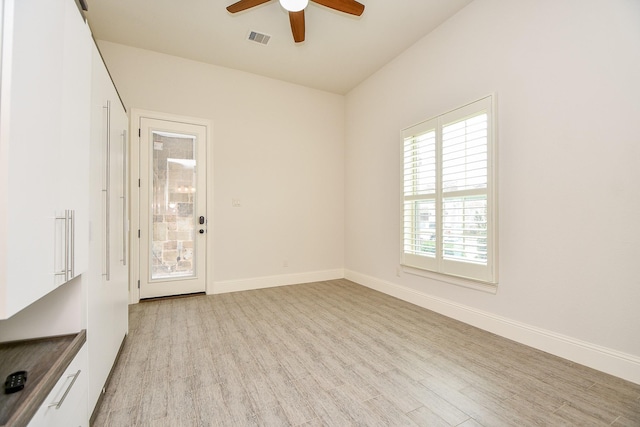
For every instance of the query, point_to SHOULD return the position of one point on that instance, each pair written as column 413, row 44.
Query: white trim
column 438, row 263
column 225, row 286
column 614, row 362
column 134, row 196
column 465, row 282
column 134, row 205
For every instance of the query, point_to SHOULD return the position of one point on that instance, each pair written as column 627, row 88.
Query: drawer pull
column 66, row 392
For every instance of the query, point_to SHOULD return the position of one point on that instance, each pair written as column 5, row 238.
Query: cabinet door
column 107, row 291
column 75, row 116
column 44, row 129
column 30, row 136
column 66, row 405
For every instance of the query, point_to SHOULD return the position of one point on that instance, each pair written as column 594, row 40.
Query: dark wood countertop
column 45, row 360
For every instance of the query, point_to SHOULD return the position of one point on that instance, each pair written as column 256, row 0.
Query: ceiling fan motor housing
column 294, row 5
column 296, row 11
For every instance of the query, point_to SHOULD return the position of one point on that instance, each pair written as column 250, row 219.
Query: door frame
column 134, row 154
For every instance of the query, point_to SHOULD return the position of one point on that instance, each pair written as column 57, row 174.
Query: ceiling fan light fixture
column 294, row 5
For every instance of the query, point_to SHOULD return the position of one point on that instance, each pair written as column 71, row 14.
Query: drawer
column 67, row 404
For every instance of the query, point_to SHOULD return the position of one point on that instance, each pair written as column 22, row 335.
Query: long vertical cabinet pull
column 68, row 254
column 107, row 192
column 124, row 197
column 64, row 271
column 71, row 220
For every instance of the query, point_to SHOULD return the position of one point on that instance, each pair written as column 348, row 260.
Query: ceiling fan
column 296, row 11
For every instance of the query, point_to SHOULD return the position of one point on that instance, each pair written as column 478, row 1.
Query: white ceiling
column 339, row 52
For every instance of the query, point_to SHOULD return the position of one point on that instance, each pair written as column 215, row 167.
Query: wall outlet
column 285, row 263
column 236, row 203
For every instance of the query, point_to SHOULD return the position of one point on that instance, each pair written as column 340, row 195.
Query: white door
column 173, row 218
column 108, row 275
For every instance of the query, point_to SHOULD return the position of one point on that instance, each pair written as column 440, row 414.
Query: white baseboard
column 604, row 359
column 224, row 286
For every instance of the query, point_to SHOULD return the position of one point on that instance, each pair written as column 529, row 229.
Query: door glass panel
column 173, row 198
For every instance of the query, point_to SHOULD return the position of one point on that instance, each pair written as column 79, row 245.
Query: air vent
column 258, row 37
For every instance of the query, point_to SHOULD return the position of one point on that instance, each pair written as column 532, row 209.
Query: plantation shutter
column 448, row 200
column 419, row 189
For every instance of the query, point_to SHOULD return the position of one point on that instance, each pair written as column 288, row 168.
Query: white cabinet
column 66, row 404
column 73, row 163
column 63, row 189
column 44, row 129
column 107, row 291
column 63, row 185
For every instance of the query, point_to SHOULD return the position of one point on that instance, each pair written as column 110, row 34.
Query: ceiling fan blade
column 351, row 7
column 244, row 5
column 297, row 25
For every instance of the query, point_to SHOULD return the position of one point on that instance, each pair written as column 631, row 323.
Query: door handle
column 201, row 220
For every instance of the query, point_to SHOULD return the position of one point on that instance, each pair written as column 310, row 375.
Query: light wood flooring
column 339, row 354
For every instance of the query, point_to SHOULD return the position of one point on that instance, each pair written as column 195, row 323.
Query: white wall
column 565, row 76
column 60, row 312
column 278, row 147
column 567, row 79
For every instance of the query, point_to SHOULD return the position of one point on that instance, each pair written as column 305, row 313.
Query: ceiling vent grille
column 258, row 37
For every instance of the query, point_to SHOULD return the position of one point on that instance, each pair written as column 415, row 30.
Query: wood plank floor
column 339, row 354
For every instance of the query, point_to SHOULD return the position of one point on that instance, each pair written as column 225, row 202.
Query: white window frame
column 465, row 273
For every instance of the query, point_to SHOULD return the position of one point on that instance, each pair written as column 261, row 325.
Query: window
column 449, row 200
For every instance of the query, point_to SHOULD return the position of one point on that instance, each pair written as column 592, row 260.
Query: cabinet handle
column 58, row 404
column 66, row 245
column 68, row 266
column 71, row 243
column 107, row 191
column 124, row 197
column 65, row 257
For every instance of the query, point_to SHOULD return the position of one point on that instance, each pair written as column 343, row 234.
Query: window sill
column 464, row 282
